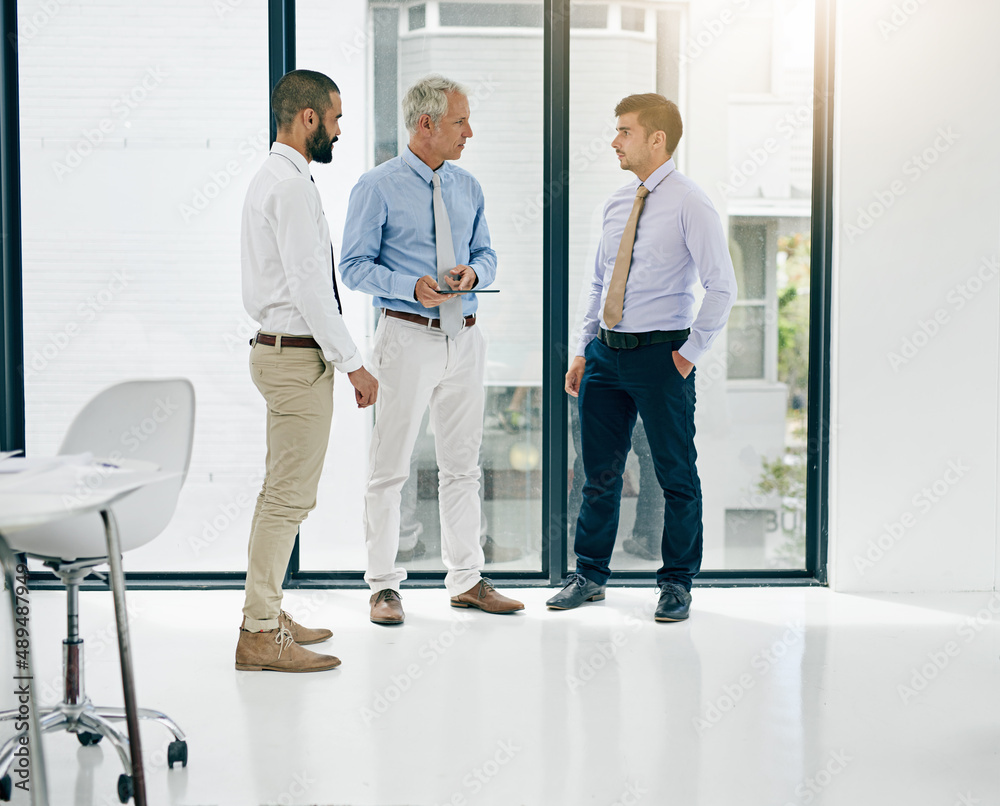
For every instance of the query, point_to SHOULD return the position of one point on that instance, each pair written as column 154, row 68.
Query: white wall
column 900, row 425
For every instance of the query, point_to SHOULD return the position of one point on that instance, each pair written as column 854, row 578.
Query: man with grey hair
column 415, row 228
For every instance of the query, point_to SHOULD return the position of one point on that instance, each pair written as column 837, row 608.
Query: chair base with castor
column 76, row 714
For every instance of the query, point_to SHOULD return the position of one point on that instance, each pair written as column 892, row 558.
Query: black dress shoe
column 418, row 551
column 675, row 602
column 578, row 590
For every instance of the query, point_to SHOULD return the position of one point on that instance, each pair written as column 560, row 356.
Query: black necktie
column 333, row 270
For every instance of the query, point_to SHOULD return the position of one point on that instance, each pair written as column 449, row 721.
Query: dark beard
column 320, row 145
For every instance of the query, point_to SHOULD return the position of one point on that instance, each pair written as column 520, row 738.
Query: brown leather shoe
column 484, row 596
column 303, row 636
column 276, row 651
column 387, row 607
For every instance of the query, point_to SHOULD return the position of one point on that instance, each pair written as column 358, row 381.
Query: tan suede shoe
column 387, row 607
column 302, row 636
column 484, row 596
column 276, row 651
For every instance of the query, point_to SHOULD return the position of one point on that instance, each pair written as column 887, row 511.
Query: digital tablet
column 470, row 291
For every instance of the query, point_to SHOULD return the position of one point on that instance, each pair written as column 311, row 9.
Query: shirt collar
column 659, row 175
column 422, row 169
column 290, row 153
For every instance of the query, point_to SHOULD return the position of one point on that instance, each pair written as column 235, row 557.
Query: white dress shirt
column 288, row 259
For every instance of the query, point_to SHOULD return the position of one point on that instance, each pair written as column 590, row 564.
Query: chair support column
column 73, row 693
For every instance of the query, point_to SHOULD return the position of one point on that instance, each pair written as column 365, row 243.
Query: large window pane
column 495, row 49
column 743, row 82
column 135, row 153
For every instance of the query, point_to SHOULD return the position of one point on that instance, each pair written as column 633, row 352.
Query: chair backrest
column 151, row 420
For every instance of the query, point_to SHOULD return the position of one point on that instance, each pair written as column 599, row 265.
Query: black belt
column 629, row 341
column 286, row 341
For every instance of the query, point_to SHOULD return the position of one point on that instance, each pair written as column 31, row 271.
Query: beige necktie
column 450, row 311
column 616, row 289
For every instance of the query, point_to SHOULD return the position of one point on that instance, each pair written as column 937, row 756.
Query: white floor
column 765, row 696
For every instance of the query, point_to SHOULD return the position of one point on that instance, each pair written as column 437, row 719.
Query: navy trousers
column 617, row 385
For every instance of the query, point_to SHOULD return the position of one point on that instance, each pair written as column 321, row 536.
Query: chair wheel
column 86, row 738
column 177, row 751
column 125, row 788
column 5, row 788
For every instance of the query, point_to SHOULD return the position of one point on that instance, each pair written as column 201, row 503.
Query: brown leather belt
column 286, row 341
column 423, row 320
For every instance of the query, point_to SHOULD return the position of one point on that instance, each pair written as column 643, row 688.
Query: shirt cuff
column 349, row 365
column 690, row 352
column 584, row 341
column 404, row 286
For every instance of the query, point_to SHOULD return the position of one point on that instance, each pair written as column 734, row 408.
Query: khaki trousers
column 297, row 385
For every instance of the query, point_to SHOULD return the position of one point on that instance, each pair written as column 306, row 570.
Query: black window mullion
column 12, row 430
column 281, row 59
column 555, row 291
column 820, row 283
column 280, row 48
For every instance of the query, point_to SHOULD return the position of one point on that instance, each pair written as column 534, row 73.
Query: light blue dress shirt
column 679, row 242
column 389, row 234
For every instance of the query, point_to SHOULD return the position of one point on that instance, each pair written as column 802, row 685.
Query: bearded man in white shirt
column 290, row 288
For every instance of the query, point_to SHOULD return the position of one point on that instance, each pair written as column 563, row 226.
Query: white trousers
column 419, row 366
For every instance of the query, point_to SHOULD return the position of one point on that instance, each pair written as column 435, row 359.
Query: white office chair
column 146, row 420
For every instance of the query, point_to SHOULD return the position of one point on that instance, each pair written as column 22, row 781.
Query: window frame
column 555, row 326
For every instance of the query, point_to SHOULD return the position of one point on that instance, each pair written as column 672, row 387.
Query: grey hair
column 428, row 97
